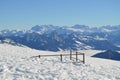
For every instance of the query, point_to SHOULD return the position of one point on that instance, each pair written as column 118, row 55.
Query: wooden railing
column 70, row 55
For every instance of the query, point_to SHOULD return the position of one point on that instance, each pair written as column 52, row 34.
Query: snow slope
column 17, row 63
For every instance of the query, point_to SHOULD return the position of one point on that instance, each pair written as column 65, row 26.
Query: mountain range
column 55, row 38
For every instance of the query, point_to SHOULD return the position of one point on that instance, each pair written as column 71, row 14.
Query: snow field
column 17, row 63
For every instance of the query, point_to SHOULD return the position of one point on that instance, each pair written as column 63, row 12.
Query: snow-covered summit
column 44, row 28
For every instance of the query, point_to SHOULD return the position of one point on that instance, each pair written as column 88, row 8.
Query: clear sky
column 27, row 13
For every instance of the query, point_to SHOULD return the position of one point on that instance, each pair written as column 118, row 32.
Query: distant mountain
column 77, row 26
column 109, row 54
column 55, row 38
column 44, row 28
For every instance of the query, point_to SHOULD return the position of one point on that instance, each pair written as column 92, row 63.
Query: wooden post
column 83, row 58
column 76, row 57
column 109, row 55
column 61, row 56
column 70, row 54
column 39, row 56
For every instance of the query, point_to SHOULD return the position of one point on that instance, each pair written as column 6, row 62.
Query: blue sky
column 23, row 14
